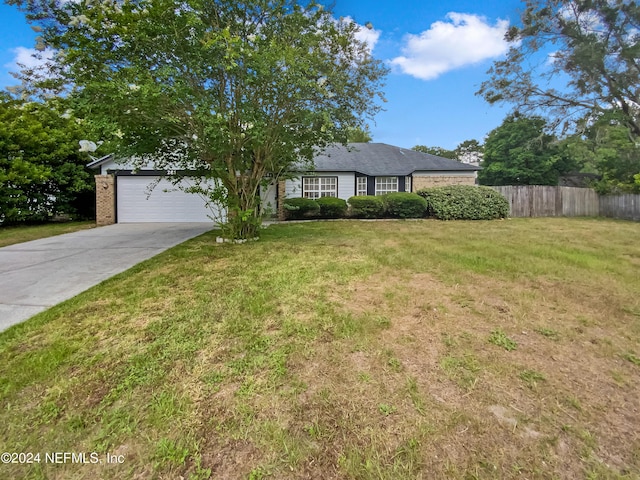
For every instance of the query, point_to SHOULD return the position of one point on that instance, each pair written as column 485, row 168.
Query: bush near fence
column 464, row 202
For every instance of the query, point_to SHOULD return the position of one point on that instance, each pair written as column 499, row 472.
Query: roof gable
column 98, row 162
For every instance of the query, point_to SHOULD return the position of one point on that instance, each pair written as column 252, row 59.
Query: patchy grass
column 336, row 350
column 500, row 339
column 26, row 233
column 531, row 378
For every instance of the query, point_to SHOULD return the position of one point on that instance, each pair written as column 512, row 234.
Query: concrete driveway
column 39, row 274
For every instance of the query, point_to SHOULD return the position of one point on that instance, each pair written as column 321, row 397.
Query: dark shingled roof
column 373, row 159
column 380, row 159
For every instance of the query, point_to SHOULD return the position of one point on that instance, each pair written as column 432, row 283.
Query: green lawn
column 19, row 234
column 343, row 350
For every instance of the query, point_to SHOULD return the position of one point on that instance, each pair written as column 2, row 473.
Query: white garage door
column 137, row 202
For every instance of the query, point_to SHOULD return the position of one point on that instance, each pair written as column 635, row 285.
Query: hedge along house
column 374, row 169
column 124, row 194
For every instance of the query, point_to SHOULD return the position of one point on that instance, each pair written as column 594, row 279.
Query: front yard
column 357, row 350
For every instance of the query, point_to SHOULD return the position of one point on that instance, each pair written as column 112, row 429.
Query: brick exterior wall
column 280, row 199
column 426, row 181
column 105, row 200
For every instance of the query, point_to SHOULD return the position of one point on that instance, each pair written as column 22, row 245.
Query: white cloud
column 366, row 33
column 463, row 40
column 370, row 36
column 553, row 57
column 29, row 57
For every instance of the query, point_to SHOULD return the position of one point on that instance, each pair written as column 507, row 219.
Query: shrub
column 332, row 207
column 366, row 206
column 298, row 208
column 465, row 202
column 405, row 205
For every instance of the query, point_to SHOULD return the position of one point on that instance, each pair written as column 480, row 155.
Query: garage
column 143, row 198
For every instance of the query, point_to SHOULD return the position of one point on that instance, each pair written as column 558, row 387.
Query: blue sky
column 438, row 53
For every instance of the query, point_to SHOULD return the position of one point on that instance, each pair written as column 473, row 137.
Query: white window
column 407, row 184
column 386, row 185
column 316, row 187
column 361, row 186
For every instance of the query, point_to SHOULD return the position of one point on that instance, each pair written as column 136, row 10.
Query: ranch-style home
column 125, row 195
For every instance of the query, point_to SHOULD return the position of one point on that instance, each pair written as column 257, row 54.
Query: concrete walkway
column 39, row 274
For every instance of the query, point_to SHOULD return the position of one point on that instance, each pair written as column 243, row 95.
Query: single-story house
column 124, row 194
column 376, row 169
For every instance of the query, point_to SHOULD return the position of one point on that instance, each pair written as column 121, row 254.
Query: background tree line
column 523, row 150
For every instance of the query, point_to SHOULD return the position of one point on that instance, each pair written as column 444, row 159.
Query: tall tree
column 437, row 151
column 42, row 173
column 592, row 46
column 520, row 152
column 469, row 151
column 238, row 90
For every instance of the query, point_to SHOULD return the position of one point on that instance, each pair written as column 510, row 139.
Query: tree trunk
column 243, row 215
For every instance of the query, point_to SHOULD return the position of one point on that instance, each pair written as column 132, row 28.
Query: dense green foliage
column 42, row 172
column 437, row 151
column 404, row 205
column 366, row 206
column 241, row 90
column 359, row 135
column 470, row 151
column 332, row 207
column 464, row 202
column 300, row 208
column 606, row 146
column 520, row 152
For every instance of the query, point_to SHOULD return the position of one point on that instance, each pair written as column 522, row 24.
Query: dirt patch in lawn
column 563, row 396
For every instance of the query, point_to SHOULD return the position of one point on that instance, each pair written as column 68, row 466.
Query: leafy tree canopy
column 359, row 135
column 592, row 46
column 605, row 146
column 519, row 152
column 42, row 173
column 237, row 89
column 469, row 151
column 437, row 151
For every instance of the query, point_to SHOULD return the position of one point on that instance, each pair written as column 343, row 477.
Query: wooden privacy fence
column 543, row 201
column 546, row 201
column 620, row 206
